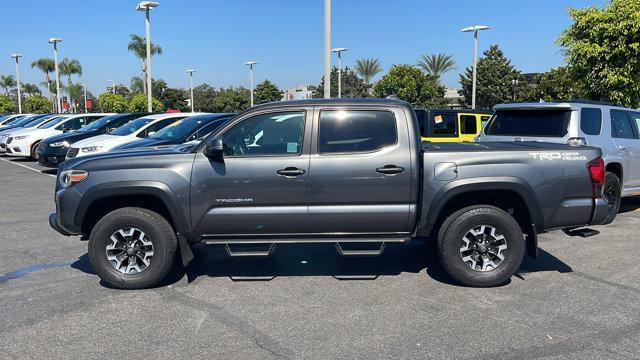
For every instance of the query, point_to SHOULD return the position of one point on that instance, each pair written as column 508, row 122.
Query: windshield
column 181, row 129
column 543, row 123
column 21, row 120
column 52, row 122
column 131, row 127
column 99, row 123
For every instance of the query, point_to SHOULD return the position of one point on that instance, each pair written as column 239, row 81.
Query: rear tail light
column 597, row 173
column 577, row 141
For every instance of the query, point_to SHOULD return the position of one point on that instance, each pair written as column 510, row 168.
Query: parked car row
column 53, row 138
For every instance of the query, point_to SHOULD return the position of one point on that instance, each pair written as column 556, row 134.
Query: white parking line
column 26, row 167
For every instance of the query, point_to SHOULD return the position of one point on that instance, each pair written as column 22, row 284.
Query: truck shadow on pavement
column 323, row 260
column 631, row 203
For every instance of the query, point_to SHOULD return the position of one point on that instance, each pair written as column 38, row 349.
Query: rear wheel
column 613, row 194
column 481, row 246
column 132, row 248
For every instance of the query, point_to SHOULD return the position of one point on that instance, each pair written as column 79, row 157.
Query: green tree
column 138, row 103
column 69, row 67
column 137, row 85
column 266, row 92
column 158, row 87
column 7, row 82
column 352, row 85
column 557, row 84
column 495, row 75
column 176, row 99
column 408, row 83
column 37, row 104
column 30, row 89
column 138, row 46
column 601, row 48
column 6, row 104
column 437, row 64
column 203, row 97
column 47, row 66
column 367, row 69
column 231, row 100
column 109, row 102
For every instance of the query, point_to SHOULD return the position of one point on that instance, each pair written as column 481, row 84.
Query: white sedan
column 23, row 142
column 134, row 130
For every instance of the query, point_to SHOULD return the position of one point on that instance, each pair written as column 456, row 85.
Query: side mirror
column 214, row 149
column 65, row 129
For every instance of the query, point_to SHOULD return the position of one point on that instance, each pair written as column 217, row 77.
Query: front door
column 360, row 173
column 260, row 187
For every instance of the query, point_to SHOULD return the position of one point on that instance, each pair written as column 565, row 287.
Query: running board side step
column 376, row 250
column 262, row 250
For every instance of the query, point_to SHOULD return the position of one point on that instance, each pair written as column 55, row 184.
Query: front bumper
column 18, row 148
column 64, row 219
column 51, row 157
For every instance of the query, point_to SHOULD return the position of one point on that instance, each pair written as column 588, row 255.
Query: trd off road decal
column 563, row 156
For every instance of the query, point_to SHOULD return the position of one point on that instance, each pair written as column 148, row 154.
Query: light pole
column 327, row 46
column 55, row 42
column 514, row 83
column 84, row 88
column 146, row 6
column 190, row 72
column 475, row 30
column 113, row 86
column 250, row 64
column 17, row 58
column 339, row 52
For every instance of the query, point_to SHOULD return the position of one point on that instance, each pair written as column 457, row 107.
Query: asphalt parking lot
column 580, row 299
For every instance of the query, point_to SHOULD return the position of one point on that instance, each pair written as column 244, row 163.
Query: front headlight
column 4, row 136
column 59, row 144
column 20, row 137
column 89, row 149
column 70, row 177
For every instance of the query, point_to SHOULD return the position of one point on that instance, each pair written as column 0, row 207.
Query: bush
column 410, row 84
column 37, row 104
column 109, row 102
column 6, row 104
column 138, row 103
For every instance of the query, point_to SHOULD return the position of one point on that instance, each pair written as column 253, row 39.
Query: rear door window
column 355, row 131
column 445, row 124
column 484, row 119
column 590, row 121
column 468, row 125
column 542, row 123
column 621, row 125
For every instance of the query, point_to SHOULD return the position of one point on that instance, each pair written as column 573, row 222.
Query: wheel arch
column 616, row 168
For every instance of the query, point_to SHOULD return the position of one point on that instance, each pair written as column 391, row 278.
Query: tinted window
column 355, row 131
column 484, row 119
column 266, row 134
column 207, row 129
column 635, row 121
column 544, row 123
column 468, row 124
column 75, row 124
column 590, row 121
column 182, row 128
column 158, row 126
column 132, row 126
column 421, row 117
column 621, row 125
column 444, row 124
column 52, row 123
column 119, row 121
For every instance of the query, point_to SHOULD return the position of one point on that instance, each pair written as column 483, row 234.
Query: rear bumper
column 578, row 212
column 600, row 209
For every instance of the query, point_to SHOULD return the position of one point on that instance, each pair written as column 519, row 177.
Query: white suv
column 614, row 129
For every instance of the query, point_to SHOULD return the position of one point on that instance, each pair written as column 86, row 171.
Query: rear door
column 443, row 126
column 360, row 172
column 624, row 132
column 469, row 125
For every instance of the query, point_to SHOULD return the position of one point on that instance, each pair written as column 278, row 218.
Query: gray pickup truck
column 351, row 172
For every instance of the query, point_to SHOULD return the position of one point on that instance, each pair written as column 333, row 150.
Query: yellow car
column 451, row 125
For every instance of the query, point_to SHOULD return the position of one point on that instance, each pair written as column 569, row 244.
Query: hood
column 113, row 159
column 147, row 142
column 27, row 131
column 70, row 137
column 102, row 140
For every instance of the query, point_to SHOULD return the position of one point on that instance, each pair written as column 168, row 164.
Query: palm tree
column 437, row 64
column 47, row 66
column 137, row 85
column 138, row 46
column 30, row 89
column 7, row 82
column 367, row 69
column 70, row 67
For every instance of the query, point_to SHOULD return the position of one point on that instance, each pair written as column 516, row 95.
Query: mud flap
column 532, row 242
column 185, row 251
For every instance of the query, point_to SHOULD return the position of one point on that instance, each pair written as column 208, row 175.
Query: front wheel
column 482, row 246
column 132, row 248
column 613, row 194
column 33, row 153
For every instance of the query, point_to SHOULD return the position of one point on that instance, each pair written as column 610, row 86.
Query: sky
column 216, row 37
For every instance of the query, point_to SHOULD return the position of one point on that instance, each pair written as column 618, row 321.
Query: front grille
column 3, row 146
column 9, row 151
column 73, row 152
column 9, row 140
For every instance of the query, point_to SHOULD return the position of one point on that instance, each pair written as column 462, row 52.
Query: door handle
column 390, row 169
column 290, row 171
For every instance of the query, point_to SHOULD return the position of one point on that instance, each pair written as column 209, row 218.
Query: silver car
column 614, row 129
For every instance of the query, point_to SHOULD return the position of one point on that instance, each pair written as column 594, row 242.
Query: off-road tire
column 160, row 233
column 612, row 183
